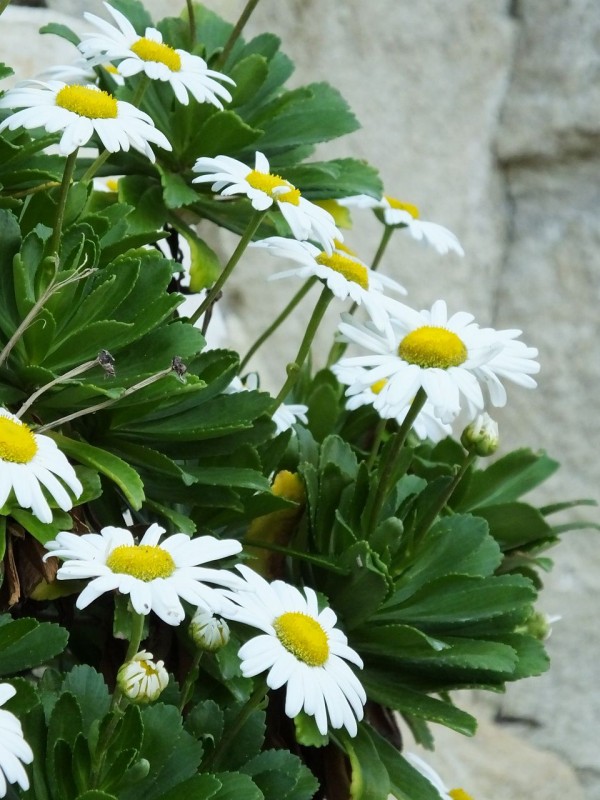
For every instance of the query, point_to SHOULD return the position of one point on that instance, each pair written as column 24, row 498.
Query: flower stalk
column 213, row 294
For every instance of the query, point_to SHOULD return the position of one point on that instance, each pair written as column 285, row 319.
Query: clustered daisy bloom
column 229, row 176
column 14, row 750
column 154, row 574
column 396, row 213
column 345, row 275
column 80, row 112
column 185, row 73
column 450, row 357
column 301, row 648
column 142, row 679
column 30, row 461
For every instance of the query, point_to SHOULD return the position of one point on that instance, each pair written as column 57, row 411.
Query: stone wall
column 486, row 114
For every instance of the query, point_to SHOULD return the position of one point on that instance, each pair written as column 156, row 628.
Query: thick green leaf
column 90, row 691
column 370, row 779
column 515, row 524
column 200, row 787
column 385, row 688
column 117, row 470
column 507, row 479
column 26, row 643
column 406, row 782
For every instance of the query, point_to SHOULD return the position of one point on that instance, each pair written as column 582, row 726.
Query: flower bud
column 481, row 436
column 208, row 632
column 142, row 680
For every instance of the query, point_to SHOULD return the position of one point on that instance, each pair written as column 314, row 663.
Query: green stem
column 277, row 322
column 387, row 235
column 3, row 5
column 235, row 33
column 377, row 438
column 62, row 202
column 393, row 454
column 210, row 298
column 95, row 166
column 190, row 680
column 254, row 701
column 432, row 512
column 192, row 22
column 294, row 368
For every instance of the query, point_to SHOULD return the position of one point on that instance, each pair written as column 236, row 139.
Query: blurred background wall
column 486, row 114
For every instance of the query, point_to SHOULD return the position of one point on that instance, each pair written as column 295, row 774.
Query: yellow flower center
column 267, row 183
column 148, row 50
column 459, row 794
column 145, row 562
column 87, row 102
column 17, row 442
column 378, row 385
column 432, row 346
column 409, row 207
column 303, row 637
column 350, row 269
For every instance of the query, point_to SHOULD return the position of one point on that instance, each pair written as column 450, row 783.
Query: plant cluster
column 209, row 591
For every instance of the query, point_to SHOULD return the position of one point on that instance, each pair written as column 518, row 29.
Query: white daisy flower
column 448, row 357
column 361, row 393
column 80, row 112
column 396, row 213
column 14, row 750
column 306, row 220
column 142, row 679
column 344, row 274
column 185, row 73
column 154, row 575
column 301, row 648
column 30, row 461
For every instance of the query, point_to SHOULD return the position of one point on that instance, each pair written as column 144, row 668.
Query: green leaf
column 457, row 599
column 515, row 524
column 200, row 787
column 26, row 643
column 117, row 470
column 507, row 479
column 406, row 782
column 145, row 195
column 307, row 733
column 224, row 132
column 5, row 71
column 176, row 190
column 235, row 786
column 370, row 779
column 61, row 30
column 43, row 532
column 135, row 13
column 249, row 75
column 90, row 691
column 385, row 688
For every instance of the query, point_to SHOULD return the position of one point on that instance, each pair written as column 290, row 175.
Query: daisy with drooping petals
column 80, row 112
column 185, row 73
column 154, row 574
column 344, row 274
column 14, row 750
column 361, row 393
column 301, row 648
column 30, row 461
column 396, row 213
column 442, row 355
column 229, row 176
